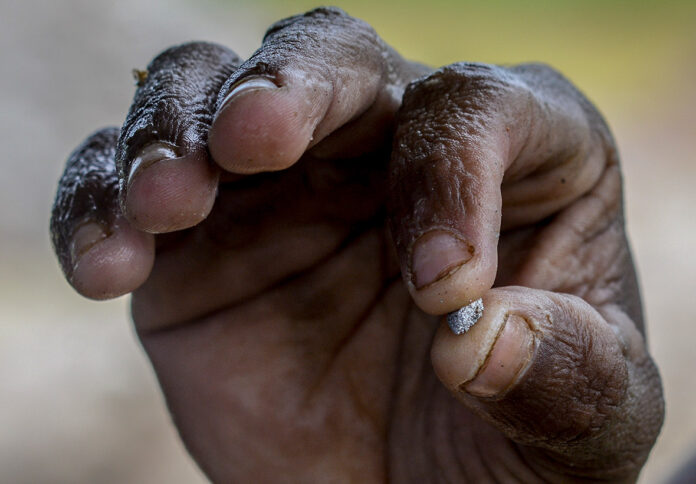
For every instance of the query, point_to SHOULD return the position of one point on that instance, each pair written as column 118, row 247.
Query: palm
column 283, row 319
column 292, row 300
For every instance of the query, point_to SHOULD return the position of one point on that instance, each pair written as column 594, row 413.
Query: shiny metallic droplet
column 462, row 320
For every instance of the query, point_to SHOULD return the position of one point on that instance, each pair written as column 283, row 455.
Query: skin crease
column 283, row 322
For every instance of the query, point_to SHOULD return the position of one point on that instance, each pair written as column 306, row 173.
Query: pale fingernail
column 436, row 255
column 86, row 236
column 509, row 358
column 246, row 85
column 148, row 156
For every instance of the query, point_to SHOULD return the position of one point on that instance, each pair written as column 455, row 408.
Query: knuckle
column 320, row 38
column 554, row 90
column 464, row 86
column 458, row 105
column 317, row 23
column 321, row 15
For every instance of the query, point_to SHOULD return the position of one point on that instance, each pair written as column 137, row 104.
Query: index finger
column 314, row 75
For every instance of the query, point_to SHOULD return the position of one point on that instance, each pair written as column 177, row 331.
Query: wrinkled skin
column 290, row 247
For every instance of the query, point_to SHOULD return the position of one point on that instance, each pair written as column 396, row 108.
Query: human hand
column 287, row 343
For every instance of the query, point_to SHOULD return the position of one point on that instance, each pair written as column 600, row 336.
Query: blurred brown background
column 78, row 401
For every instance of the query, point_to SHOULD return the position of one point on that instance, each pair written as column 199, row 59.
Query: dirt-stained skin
column 292, row 226
column 87, row 191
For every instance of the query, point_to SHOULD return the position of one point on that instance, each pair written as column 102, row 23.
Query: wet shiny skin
column 283, row 320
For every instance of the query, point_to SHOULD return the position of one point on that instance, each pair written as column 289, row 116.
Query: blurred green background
column 78, row 400
column 614, row 50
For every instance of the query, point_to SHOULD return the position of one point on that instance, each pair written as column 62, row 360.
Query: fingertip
column 108, row 263
column 166, row 192
column 262, row 127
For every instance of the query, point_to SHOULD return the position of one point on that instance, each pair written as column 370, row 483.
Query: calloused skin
column 290, row 248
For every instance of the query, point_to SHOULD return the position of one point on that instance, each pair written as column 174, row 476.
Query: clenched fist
column 292, row 227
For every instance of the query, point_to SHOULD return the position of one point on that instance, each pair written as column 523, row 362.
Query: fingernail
column 86, row 236
column 509, row 358
column 436, row 255
column 248, row 84
column 150, row 155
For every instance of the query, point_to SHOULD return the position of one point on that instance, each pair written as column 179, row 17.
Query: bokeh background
column 78, row 401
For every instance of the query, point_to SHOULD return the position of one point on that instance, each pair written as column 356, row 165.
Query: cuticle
column 89, row 220
column 142, row 165
column 222, row 104
column 443, row 276
column 520, row 373
column 106, row 233
column 244, row 79
column 447, row 273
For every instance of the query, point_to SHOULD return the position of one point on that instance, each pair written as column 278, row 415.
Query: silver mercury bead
column 463, row 319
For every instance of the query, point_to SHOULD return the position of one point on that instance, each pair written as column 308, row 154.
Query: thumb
column 549, row 372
